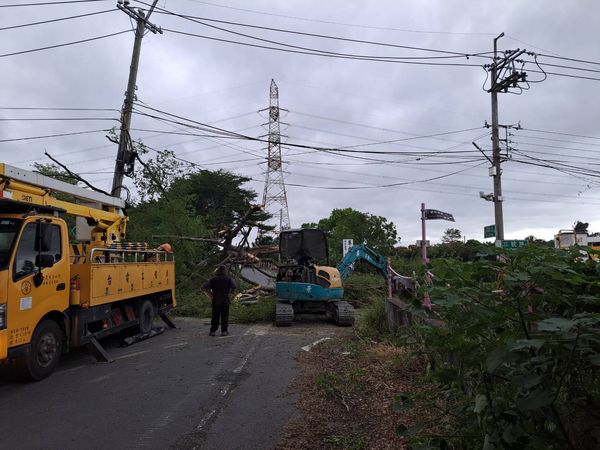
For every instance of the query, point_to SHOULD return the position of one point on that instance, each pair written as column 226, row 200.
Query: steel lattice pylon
column 274, row 196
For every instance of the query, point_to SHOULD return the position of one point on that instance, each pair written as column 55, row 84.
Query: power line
column 50, row 119
column 569, row 59
column 197, row 19
column 12, row 27
column 64, row 44
column 563, row 134
column 341, row 23
column 226, row 133
column 52, row 135
column 318, row 52
column 557, row 140
column 63, row 2
column 581, row 77
column 32, row 108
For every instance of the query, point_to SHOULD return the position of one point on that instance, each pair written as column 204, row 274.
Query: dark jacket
column 220, row 286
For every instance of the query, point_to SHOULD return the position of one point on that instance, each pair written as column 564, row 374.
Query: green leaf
column 537, row 399
column 403, row 430
column 518, row 276
column 595, row 359
column 480, row 403
column 527, row 344
column 402, row 402
column 511, row 434
column 495, row 358
column 559, row 324
column 526, row 381
column 487, row 443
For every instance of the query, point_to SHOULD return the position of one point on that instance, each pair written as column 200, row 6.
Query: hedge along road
column 181, row 389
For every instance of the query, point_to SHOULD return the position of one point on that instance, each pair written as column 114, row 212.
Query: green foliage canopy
column 347, row 223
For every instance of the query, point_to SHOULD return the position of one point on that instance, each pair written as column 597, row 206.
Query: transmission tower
column 274, row 196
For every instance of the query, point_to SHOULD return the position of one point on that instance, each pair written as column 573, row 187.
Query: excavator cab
column 300, row 252
column 304, row 246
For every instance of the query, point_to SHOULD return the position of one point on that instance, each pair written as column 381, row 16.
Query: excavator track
column 343, row 313
column 284, row 314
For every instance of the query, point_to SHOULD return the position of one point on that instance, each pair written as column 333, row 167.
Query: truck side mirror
column 44, row 261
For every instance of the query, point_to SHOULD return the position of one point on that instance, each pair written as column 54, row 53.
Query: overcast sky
column 332, row 102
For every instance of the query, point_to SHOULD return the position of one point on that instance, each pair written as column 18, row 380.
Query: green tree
column 157, row 174
column 54, row 171
column 581, row 227
column 347, row 223
column 204, row 205
column 451, row 235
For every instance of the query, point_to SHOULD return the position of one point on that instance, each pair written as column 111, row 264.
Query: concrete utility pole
column 504, row 77
column 496, row 170
column 125, row 154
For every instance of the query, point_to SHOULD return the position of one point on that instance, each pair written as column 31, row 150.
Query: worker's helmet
column 165, row 247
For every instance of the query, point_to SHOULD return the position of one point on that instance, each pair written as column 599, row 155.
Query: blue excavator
column 305, row 286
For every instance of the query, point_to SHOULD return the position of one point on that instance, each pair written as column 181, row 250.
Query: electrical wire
column 316, row 53
column 22, row 52
column 328, row 22
column 570, row 59
column 24, row 108
column 350, row 149
column 52, row 135
column 12, row 27
column 199, row 20
column 562, row 133
column 59, row 119
column 62, row 2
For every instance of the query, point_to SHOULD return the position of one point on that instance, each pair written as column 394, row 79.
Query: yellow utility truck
column 56, row 294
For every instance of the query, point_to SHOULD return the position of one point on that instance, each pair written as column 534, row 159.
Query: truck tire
column 45, row 351
column 145, row 316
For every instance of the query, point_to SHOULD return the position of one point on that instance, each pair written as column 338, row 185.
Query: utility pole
column 125, row 154
column 504, row 77
column 496, row 170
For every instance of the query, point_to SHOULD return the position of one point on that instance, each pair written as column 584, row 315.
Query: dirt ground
column 348, row 396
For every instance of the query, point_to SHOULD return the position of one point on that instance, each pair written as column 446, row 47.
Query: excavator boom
column 362, row 252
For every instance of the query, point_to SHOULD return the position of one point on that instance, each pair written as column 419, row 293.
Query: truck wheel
column 145, row 316
column 45, row 351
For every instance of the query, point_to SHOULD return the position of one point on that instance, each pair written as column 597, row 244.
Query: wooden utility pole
column 125, row 154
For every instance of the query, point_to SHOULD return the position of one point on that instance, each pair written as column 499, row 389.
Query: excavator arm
column 364, row 253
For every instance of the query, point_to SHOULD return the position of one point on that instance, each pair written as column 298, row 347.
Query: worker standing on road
column 219, row 287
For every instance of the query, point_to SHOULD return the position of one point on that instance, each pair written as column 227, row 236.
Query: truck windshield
column 8, row 230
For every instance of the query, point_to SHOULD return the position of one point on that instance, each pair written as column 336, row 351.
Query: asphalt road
column 181, row 389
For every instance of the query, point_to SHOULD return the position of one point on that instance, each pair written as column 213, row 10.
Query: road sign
column 346, row 245
column 427, row 243
column 512, row 243
column 433, row 214
column 489, row 231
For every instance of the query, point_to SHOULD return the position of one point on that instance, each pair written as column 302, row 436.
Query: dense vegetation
column 517, row 356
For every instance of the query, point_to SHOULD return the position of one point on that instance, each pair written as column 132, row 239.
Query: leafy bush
column 517, row 358
column 372, row 321
column 362, row 289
